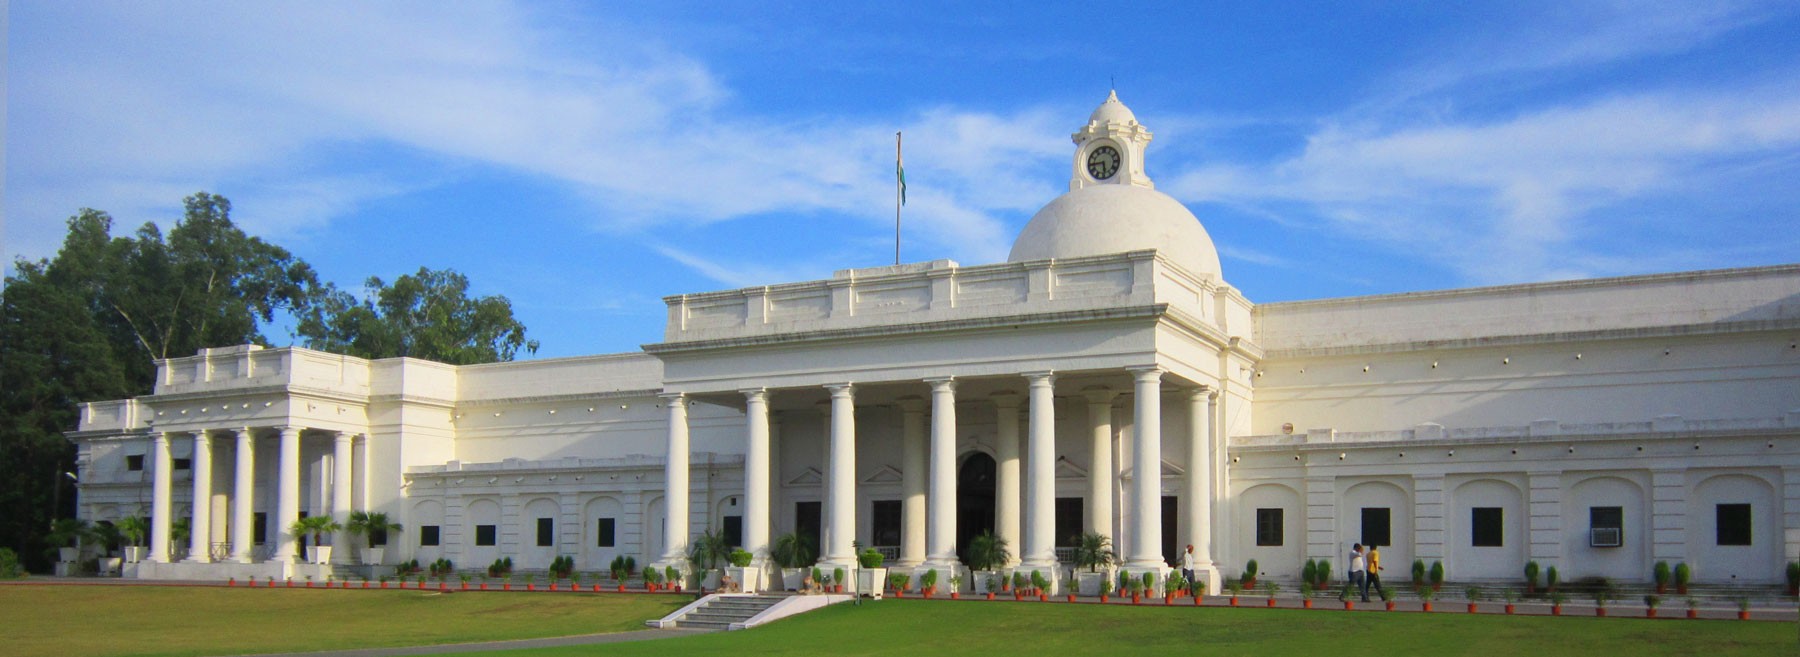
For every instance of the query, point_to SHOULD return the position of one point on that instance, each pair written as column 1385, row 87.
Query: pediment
column 885, row 475
column 810, row 477
column 1066, row 469
column 1168, row 470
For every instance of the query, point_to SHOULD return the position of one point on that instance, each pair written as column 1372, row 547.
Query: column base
column 1160, row 572
column 1052, row 575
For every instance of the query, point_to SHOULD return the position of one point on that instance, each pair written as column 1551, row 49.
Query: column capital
column 1005, row 399
column 343, row 436
column 1043, row 378
column 844, row 390
column 755, row 394
column 244, row 432
column 1099, row 394
column 672, row 397
column 1201, row 392
column 1146, row 373
column 162, row 437
column 910, row 404
column 288, row 428
column 940, row 383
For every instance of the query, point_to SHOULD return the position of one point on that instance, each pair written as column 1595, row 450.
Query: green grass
column 110, row 621
column 911, row 627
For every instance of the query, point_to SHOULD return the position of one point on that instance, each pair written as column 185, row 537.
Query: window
column 1268, row 527
column 604, row 530
column 546, row 532
column 1377, row 526
column 732, row 530
column 428, row 535
column 1487, row 526
column 134, row 462
column 484, row 535
column 1068, row 520
column 182, row 464
column 1734, row 524
column 1606, row 526
column 886, row 514
column 260, row 527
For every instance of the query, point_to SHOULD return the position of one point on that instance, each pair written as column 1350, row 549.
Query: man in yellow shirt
column 1374, row 576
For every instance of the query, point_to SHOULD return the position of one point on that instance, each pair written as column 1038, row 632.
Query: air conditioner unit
column 1605, row 537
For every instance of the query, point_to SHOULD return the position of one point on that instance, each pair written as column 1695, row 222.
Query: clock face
column 1103, row 162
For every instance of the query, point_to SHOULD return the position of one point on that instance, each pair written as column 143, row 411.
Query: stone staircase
column 721, row 612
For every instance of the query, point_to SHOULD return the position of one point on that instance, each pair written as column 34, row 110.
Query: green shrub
column 1551, row 580
column 1661, row 573
column 929, row 579
column 1309, row 573
column 1531, row 574
column 871, row 558
column 741, row 557
column 1250, row 572
column 1437, row 573
column 1418, row 572
column 9, row 565
column 1793, row 574
column 1682, row 574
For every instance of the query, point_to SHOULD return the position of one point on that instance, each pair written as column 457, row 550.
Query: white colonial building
column 1105, row 378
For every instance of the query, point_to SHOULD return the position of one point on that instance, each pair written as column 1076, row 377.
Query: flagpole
column 899, row 195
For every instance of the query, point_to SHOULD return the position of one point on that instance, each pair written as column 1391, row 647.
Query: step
column 701, row 625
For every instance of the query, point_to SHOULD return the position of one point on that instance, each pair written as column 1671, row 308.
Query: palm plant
column 1093, row 550
column 792, row 550
column 987, row 551
column 373, row 524
column 135, row 529
column 709, row 550
column 315, row 525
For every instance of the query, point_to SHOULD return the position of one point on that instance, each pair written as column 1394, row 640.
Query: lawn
column 158, row 620
column 912, row 627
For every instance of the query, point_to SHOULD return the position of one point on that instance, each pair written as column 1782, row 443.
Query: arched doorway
column 974, row 501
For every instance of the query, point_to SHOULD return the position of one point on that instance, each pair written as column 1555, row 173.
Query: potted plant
column 1693, row 607
column 1651, row 602
column 1437, row 575
column 897, row 583
column 1511, row 598
column 837, row 580
column 1602, row 594
column 707, row 552
column 927, row 582
column 1473, row 595
column 1306, row 595
column 956, row 587
column 1551, row 579
column 134, row 529
column 318, row 526
column 1137, row 591
column 1234, row 586
column 1793, row 578
column 1309, row 574
column 792, row 553
column 67, row 534
column 1557, row 598
column 993, row 583
column 672, row 578
column 1682, row 575
column 1019, row 582
column 1344, row 597
column 1743, row 604
column 1040, row 585
column 1172, row 586
column 1270, row 588
column 1249, row 576
column 871, row 571
column 652, row 577
column 1093, row 552
column 1425, row 596
column 1387, row 597
column 375, row 526
column 987, row 553
column 748, row 577
column 619, row 571
column 1418, row 574
column 1531, row 577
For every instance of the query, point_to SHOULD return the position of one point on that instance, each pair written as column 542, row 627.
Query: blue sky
column 587, row 159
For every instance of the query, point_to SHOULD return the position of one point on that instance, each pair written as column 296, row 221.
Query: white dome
column 1103, row 219
column 1112, row 111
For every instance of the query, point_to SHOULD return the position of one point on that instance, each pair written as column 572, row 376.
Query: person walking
column 1359, row 571
column 1373, row 579
column 1189, row 565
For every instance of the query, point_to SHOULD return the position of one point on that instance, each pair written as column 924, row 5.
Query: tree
column 427, row 315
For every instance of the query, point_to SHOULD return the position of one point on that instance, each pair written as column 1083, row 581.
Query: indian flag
column 899, row 168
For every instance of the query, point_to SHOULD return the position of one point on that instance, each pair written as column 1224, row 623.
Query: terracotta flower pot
column 1169, row 600
column 1043, row 597
column 956, row 595
column 1103, row 597
column 1271, row 602
column 990, row 595
column 365, row 584
column 506, row 587
column 1349, row 605
column 1306, row 603
column 1649, row 613
column 1510, row 608
column 1071, row 597
column 1425, row 606
column 1472, row 608
column 1693, row 613
column 484, row 586
column 1018, row 595
column 1743, row 615
column 1599, row 611
column 1555, row 610
column 1390, row 606
column 384, row 585
column 1137, row 599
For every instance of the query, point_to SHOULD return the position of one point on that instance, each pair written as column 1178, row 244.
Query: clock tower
column 1109, row 150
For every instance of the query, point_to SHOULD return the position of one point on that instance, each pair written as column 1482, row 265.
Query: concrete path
column 489, row 646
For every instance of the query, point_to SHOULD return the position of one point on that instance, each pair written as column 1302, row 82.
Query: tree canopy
column 89, row 323
column 426, row 315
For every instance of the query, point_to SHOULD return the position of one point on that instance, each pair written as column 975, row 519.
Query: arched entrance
column 974, row 501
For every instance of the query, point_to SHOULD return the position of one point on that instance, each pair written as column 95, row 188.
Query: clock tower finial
column 1109, row 150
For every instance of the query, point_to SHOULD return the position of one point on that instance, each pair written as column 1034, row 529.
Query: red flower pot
column 990, row 595
column 384, row 585
column 484, row 586
column 1743, row 615
column 1693, row 613
column 1599, row 611
column 553, row 586
column 1271, row 602
column 1509, row 609
column 365, row 584
column 231, row 582
column 1234, row 601
column 1169, row 600
column 956, row 595
column 1649, row 613
column 1071, row 597
column 1390, row 606
column 1198, row 601
column 1306, row 603
column 1043, row 597
column 621, row 588
column 506, row 587
column 465, row 586
column 1349, row 605
column 1018, row 595
column 1472, row 608
column 1555, row 610
column 1425, row 606
column 1137, row 599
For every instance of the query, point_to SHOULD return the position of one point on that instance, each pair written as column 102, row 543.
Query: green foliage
column 10, row 568
column 818, row 575
column 741, row 557
column 1437, row 572
column 1388, row 594
column 1472, row 593
column 1661, row 573
column 69, row 532
column 651, row 576
column 792, row 550
column 1418, row 571
column 1093, row 550
column 1234, row 586
column 373, row 524
column 870, row 558
column 1038, row 582
column 1019, row 580
column 1250, row 572
column 318, row 526
column 1271, row 588
column 425, row 315
column 1551, row 579
column 1682, row 573
column 1793, row 573
column 672, row 575
column 709, row 550
column 1426, row 593
column 562, row 566
column 1531, row 573
column 987, row 551
column 1652, row 601
column 443, row 567
column 897, row 581
column 501, row 567
column 1309, row 573
column 929, row 579
column 1324, row 573
column 1174, row 583
column 618, row 568
column 837, row 575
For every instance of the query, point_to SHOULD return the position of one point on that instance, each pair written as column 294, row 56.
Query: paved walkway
column 446, row 649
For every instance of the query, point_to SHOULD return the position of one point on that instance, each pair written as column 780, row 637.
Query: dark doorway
column 1070, row 512
column 807, row 522
column 734, row 530
column 1171, row 551
column 974, row 501
column 885, row 516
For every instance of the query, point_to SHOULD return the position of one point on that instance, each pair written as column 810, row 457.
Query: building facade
column 1106, row 378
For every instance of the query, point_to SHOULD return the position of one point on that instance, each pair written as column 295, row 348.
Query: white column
column 1040, row 539
column 675, row 482
column 200, row 529
column 756, row 472
column 243, row 497
column 841, row 515
column 1199, row 485
column 341, row 460
column 1100, row 467
column 160, row 507
column 1146, row 535
column 287, row 496
column 1006, row 475
column 942, row 538
column 912, row 482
